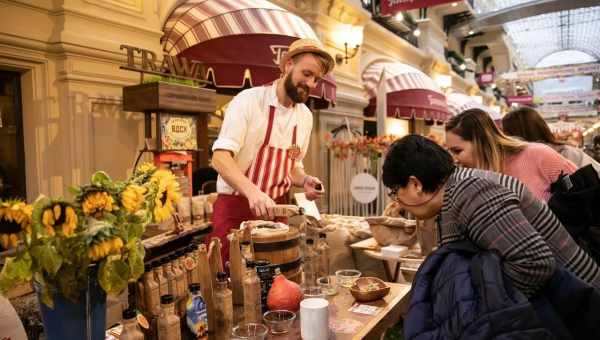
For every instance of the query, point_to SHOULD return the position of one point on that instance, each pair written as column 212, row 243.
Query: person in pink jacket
column 476, row 142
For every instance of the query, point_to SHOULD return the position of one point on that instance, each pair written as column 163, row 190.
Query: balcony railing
column 403, row 30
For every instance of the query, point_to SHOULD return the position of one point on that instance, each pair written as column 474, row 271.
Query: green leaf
column 134, row 231
column 45, row 295
column 48, row 257
column 15, row 270
column 136, row 260
column 100, row 179
column 113, row 276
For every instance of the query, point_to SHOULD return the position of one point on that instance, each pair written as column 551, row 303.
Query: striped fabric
column 497, row 212
column 197, row 21
column 398, row 77
column 458, row 102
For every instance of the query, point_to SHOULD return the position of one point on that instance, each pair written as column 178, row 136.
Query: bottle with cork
column 223, row 308
column 252, row 296
column 170, row 275
column 323, row 255
column 180, row 284
column 159, row 276
column 169, row 322
column 310, row 264
column 151, row 292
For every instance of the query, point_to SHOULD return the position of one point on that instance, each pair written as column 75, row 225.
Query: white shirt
column 245, row 125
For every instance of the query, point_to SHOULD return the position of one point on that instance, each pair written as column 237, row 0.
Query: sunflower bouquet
column 57, row 241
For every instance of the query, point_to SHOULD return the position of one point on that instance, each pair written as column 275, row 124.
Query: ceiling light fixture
column 417, row 32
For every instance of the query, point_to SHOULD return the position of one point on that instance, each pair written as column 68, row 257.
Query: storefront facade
column 70, row 83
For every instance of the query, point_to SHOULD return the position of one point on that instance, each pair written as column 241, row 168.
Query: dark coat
column 461, row 293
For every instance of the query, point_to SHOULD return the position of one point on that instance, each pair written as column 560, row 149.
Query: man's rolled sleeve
column 235, row 124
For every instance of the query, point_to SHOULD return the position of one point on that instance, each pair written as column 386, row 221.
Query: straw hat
column 307, row 45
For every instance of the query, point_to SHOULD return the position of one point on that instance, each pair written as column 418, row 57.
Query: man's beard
column 298, row 94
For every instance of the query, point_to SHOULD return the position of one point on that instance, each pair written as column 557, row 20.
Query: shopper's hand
column 260, row 203
column 313, row 188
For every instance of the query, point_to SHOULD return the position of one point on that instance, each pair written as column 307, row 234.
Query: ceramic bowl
column 368, row 289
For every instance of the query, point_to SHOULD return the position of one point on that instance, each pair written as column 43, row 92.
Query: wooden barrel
column 281, row 249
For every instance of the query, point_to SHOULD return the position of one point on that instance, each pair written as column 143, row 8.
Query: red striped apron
column 270, row 172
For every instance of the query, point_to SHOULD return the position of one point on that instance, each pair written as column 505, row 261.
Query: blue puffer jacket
column 460, row 293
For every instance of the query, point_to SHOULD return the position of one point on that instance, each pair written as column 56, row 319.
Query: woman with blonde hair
column 528, row 124
column 476, row 142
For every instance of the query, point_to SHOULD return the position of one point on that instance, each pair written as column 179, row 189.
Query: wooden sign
column 171, row 66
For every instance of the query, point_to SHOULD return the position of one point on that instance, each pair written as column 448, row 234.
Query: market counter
column 347, row 325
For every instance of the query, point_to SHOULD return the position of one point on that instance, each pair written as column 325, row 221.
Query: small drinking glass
column 312, row 292
column 249, row 331
column 279, row 321
column 328, row 285
column 346, row 277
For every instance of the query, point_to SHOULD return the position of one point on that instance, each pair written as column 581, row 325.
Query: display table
column 407, row 264
column 370, row 326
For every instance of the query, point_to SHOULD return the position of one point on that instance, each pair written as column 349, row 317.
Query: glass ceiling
column 539, row 36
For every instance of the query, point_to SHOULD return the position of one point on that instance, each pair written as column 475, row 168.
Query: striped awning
column 410, row 92
column 240, row 42
column 458, row 102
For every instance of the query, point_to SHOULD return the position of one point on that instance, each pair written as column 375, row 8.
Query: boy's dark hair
column 415, row 155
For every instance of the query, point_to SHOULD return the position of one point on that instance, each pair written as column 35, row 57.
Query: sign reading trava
column 171, row 66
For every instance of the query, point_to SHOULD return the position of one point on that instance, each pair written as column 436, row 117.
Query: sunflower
column 96, row 203
column 146, row 168
column 59, row 215
column 132, row 198
column 101, row 249
column 15, row 216
column 166, row 196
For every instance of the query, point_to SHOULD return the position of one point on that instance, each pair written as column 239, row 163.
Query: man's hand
column 313, row 188
column 260, row 203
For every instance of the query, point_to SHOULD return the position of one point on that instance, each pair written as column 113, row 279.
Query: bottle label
column 189, row 263
column 197, row 319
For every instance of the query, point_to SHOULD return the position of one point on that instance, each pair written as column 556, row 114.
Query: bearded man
column 263, row 140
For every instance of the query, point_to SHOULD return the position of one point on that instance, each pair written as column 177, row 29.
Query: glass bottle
column 223, row 301
column 323, row 255
column 247, row 251
column 180, row 284
column 159, row 276
column 170, row 275
column 151, row 292
column 196, row 315
column 197, row 256
column 168, row 324
column 252, row 305
column 190, row 264
column 310, row 264
column 131, row 330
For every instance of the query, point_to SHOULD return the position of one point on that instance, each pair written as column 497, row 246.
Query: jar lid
column 221, row 276
column 194, row 287
column 129, row 313
column 166, row 299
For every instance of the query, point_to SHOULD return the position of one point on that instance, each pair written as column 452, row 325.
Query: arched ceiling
column 538, row 36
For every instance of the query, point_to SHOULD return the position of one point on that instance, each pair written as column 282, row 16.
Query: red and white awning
column 240, row 42
column 410, row 92
column 458, row 102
